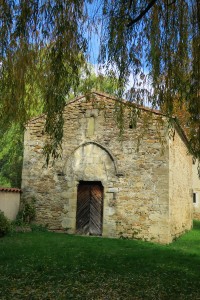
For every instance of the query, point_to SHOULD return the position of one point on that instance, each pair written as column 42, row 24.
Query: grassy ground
column 44, row 265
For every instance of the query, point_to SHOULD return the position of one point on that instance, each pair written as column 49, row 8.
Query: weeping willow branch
column 44, row 47
column 142, row 14
column 171, row 3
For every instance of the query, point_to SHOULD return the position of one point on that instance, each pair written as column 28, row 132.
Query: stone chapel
column 135, row 185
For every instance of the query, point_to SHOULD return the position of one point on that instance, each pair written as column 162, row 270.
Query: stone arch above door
column 90, row 162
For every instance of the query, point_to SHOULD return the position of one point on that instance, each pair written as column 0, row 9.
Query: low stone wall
column 9, row 202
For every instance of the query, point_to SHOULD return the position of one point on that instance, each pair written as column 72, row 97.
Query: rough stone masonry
column 145, row 174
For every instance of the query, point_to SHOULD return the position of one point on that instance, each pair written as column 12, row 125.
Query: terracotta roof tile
column 13, row 190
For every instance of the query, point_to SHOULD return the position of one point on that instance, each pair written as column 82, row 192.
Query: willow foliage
column 11, row 153
column 45, row 43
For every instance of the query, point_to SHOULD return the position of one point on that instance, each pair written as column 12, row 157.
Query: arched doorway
column 89, row 214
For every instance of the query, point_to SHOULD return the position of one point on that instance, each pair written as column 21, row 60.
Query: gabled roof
column 157, row 112
column 110, row 97
column 126, row 102
column 144, row 108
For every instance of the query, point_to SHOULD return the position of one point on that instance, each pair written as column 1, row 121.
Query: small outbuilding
column 134, row 185
column 10, row 202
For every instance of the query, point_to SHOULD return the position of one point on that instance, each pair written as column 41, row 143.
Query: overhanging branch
column 173, row 2
column 142, row 13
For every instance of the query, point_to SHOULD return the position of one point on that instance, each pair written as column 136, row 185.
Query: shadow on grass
column 44, row 265
column 196, row 225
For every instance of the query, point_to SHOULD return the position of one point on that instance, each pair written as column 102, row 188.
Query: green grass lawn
column 45, row 265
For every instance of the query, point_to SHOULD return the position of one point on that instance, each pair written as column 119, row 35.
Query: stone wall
column 133, row 169
column 180, row 186
column 9, row 202
column 196, row 191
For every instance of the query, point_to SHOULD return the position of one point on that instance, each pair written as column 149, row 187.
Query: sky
column 94, row 36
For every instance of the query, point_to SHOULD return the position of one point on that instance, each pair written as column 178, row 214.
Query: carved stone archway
column 90, row 162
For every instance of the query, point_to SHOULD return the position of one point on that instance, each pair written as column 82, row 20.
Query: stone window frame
column 195, row 198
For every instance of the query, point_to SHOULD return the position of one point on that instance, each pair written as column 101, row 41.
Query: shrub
column 27, row 214
column 4, row 224
column 36, row 227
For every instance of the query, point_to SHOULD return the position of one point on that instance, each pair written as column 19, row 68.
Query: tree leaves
column 165, row 41
column 11, row 155
column 45, row 44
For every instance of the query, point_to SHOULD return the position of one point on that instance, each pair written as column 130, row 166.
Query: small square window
column 194, row 198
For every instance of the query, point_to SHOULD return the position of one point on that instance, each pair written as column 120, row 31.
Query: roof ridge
column 112, row 97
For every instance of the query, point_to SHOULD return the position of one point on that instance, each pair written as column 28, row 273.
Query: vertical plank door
column 89, row 215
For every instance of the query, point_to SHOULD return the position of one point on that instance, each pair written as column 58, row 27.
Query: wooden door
column 89, row 208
